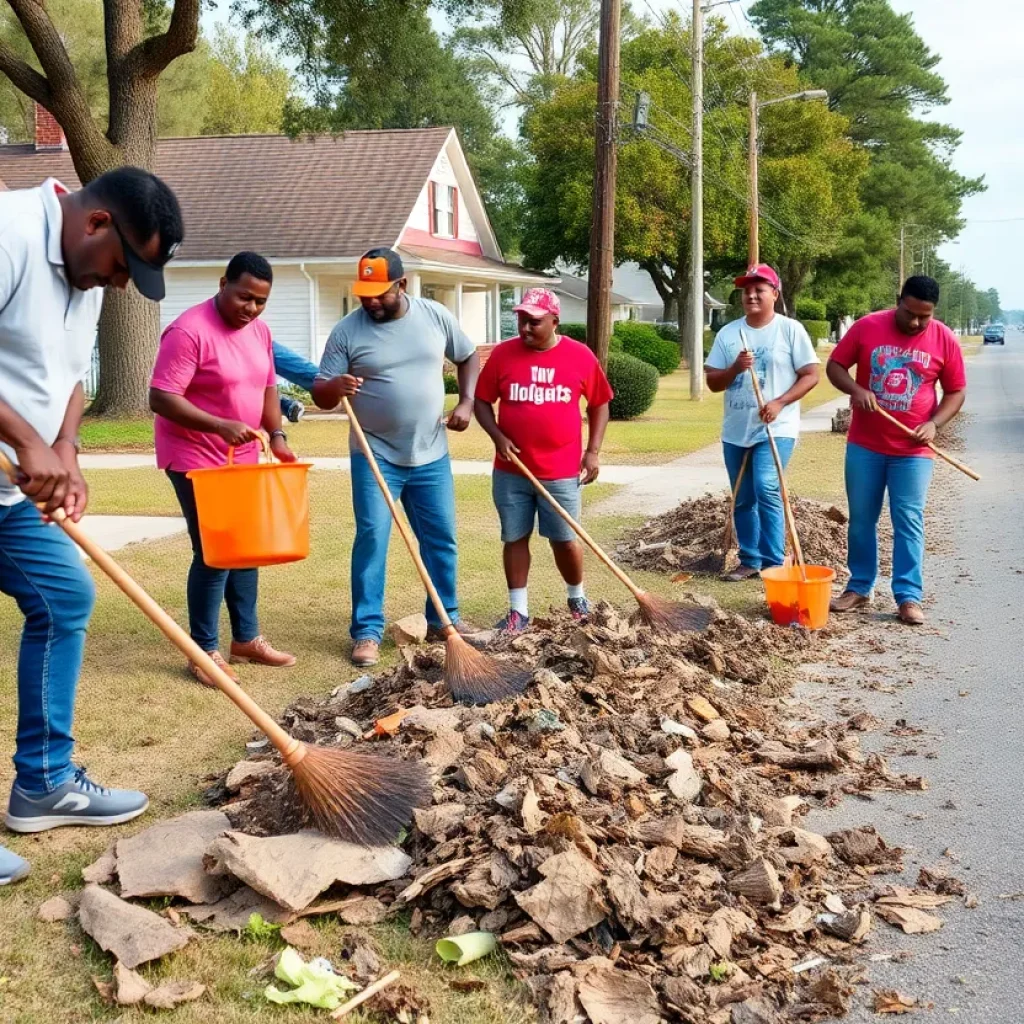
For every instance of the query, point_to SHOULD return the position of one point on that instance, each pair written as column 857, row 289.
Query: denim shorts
column 519, row 504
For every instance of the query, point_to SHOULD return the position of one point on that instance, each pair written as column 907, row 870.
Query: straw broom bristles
column 476, row 678
column 361, row 798
column 672, row 616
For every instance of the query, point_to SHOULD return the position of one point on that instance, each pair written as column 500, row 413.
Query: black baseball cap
column 142, row 205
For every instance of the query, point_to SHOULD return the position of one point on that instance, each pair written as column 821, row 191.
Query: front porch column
column 415, row 285
column 458, row 302
column 495, row 324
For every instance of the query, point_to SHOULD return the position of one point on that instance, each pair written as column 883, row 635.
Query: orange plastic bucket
column 793, row 600
column 251, row 516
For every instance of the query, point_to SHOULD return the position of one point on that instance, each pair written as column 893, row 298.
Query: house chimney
column 49, row 134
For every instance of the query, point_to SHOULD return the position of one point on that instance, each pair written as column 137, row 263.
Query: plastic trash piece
column 464, row 949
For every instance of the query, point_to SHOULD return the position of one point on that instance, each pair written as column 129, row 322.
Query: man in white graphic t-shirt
column 781, row 353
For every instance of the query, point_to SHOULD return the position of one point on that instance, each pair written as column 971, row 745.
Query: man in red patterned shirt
column 900, row 356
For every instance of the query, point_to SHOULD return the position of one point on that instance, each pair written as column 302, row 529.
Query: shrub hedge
column 635, row 384
column 819, row 330
column 810, row 309
column 644, row 342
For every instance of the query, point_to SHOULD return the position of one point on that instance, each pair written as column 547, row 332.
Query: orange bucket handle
column 265, row 450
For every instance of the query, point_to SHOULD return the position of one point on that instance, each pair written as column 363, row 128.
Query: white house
column 312, row 206
column 572, row 295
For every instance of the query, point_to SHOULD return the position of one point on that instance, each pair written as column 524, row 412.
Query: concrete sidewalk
column 113, row 533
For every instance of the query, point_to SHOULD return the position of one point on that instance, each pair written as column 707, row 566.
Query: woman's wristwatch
column 278, row 433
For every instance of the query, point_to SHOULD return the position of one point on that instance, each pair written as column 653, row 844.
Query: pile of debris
column 687, row 538
column 630, row 827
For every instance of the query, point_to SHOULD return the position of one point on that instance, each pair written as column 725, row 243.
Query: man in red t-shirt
column 538, row 380
column 900, row 356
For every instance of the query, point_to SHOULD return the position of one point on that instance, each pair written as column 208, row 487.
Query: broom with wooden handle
column 363, row 798
column 657, row 612
column 787, row 506
column 966, row 470
column 472, row 676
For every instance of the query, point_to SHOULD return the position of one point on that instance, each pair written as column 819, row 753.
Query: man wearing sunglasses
column 58, row 250
column 388, row 357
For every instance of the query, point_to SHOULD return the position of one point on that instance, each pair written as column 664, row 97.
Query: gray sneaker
column 12, row 867
column 78, row 802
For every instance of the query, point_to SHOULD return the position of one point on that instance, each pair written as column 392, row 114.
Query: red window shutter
column 455, row 213
column 432, row 197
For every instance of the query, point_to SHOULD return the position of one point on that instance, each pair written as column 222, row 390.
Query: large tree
column 808, row 166
column 529, row 50
column 880, row 74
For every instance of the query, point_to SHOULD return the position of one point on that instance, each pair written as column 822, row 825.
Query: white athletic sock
column 517, row 601
column 574, row 590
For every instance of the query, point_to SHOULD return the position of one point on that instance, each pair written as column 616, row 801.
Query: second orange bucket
column 252, row 516
column 793, row 600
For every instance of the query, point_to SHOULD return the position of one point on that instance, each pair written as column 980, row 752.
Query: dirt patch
column 683, row 539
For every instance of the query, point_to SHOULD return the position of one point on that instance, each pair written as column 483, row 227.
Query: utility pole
column 903, row 235
column 602, row 232
column 696, row 325
column 753, row 247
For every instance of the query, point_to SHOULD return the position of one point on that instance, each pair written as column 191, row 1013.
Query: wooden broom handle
column 966, row 470
column 784, row 489
column 291, row 750
column 366, row 994
column 435, row 599
column 580, row 532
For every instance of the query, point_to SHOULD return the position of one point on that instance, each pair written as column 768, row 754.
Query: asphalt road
column 961, row 680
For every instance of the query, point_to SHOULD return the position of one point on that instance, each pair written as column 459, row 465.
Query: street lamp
column 753, row 248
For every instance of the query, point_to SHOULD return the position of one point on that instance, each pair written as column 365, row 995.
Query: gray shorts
column 519, row 504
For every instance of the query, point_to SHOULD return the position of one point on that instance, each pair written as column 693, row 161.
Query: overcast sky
column 979, row 42
column 980, row 47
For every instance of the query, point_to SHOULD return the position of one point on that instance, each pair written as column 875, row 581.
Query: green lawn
column 674, row 426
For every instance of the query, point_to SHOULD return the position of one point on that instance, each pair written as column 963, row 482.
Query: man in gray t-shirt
column 388, row 357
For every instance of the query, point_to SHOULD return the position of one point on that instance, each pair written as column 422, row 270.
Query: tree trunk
column 671, row 308
column 130, row 324
column 129, row 329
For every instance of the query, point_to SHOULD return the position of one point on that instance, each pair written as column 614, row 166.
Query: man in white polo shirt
column 58, row 251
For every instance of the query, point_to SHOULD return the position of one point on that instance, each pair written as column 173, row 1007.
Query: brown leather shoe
column 365, row 653
column 849, row 601
column 219, row 661
column 435, row 634
column 911, row 613
column 740, row 574
column 259, row 652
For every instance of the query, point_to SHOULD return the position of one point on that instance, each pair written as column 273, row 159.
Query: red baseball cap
column 760, row 272
column 539, row 302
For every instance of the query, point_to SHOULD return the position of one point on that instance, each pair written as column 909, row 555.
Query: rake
column 363, row 798
column 472, row 676
column 656, row 612
column 714, row 561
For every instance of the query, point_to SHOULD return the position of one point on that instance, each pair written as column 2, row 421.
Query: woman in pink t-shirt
column 213, row 388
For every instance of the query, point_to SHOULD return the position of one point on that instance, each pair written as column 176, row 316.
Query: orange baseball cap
column 378, row 270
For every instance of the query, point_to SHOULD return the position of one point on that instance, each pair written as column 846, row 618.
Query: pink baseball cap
column 760, row 272
column 539, row 302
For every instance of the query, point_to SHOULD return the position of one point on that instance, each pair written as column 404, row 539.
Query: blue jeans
column 760, row 521
column 906, row 477
column 208, row 587
column 42, row 570
column 428, row 495
column 295, row 369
